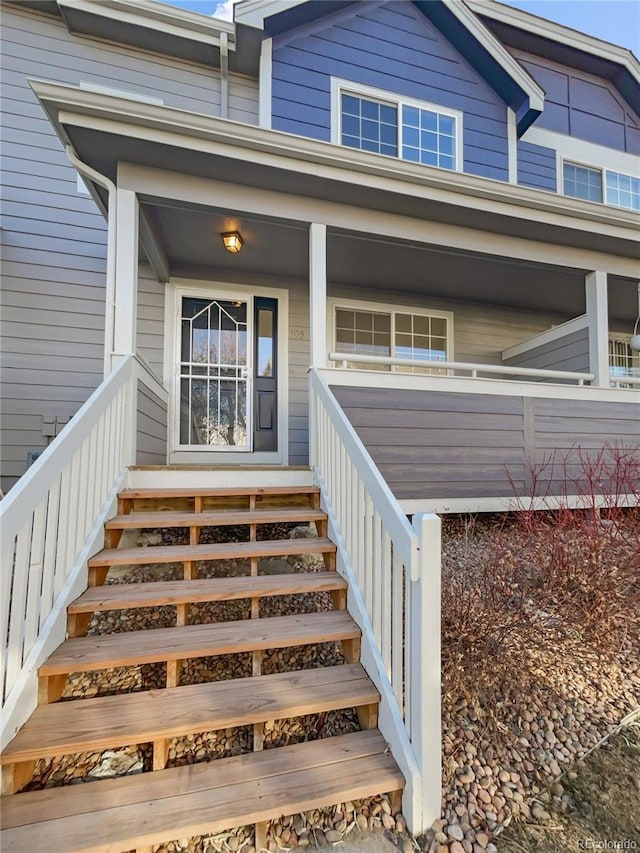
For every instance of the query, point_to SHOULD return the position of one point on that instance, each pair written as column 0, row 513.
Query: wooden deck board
column 215, row 551
column 136, row 494
column 214, row 518
column 197, row 799
column 169, row 644
column 159, row 593
column 110, row 721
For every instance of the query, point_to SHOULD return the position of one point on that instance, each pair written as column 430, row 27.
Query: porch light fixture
column 232, row 241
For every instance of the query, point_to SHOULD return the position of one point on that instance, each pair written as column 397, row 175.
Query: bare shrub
column 550, row 578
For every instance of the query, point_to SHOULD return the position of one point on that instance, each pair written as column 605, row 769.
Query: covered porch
column 420, row 287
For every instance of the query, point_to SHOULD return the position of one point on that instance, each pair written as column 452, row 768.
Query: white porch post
column 598, row 314
column 126, row 285
column 318, row 294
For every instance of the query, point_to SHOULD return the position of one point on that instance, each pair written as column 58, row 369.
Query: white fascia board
column 490, row 43
column 158, row 16
column 556, row 32
column 252, row 13
column 73, row 106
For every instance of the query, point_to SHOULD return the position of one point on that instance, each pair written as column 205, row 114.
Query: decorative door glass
column 214, row 374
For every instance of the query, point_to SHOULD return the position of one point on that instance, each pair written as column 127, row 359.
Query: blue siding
column 536, row 167
column 390, row 46
column 583, row 107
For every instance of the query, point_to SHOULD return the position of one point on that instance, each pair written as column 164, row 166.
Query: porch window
column 398, row 333
column 376, row 121
column 623, row 361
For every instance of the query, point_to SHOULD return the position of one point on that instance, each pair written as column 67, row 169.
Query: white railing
column 393, row 569
column 623, row 381
column 52, row 521
column 449, row 368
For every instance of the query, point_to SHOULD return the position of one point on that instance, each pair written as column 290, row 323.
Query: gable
column 584, row 106
column 392, row 47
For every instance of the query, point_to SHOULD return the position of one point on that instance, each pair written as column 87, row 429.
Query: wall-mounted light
column 232, row 241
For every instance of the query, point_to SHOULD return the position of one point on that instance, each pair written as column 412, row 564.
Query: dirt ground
column 598, row 810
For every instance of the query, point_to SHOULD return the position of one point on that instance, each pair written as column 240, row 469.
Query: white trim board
column 579, row 151
column 555, row 333
column 463, row 384
column 207, row 456
column 508, row 503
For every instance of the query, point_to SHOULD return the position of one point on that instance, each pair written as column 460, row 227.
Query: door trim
column 206, row 456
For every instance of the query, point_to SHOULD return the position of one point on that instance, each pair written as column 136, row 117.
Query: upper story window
column 599, row 185
column 382, row 123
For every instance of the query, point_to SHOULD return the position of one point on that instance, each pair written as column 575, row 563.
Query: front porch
column 441, row 289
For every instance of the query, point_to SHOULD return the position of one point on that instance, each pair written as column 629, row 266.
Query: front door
column 226, row 396
column 214, row 374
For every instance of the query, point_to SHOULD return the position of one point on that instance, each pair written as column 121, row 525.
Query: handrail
column 393, row 568
column 472, row 368
column 617, row 381
column 52, row 520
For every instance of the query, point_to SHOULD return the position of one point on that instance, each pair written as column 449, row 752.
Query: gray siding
column 537, row 167
column 151, row 438
column 54, row 238
column 448, row 445
column 568, row 353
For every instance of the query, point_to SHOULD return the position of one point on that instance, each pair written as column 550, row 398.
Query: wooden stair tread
column 152, row 808
column 214, row 518
column 220, row 492
column 192, row 641
column 159, row 593
column 113, row 721
column 215, row 551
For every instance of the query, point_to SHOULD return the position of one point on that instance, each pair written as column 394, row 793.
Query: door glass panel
column 213, row 375
column 265, row 343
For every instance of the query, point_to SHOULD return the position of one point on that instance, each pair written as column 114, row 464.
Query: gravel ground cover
column 508, row 746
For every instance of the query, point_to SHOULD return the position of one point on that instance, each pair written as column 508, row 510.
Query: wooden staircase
column 171, row 802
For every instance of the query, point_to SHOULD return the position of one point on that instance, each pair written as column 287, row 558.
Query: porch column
column 318, row 294
column 126, row 285
column 598, row 315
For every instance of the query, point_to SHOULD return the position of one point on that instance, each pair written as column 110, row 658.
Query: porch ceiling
column 190, row 237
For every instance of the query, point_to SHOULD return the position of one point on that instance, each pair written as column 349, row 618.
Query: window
column 623, row 361
column 623, row 190
column 587, row 183
column 581, row 182
column 392, row 332
column 375, row 121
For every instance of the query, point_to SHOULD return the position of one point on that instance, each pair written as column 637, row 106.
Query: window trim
column 335, row 303
column 340, row 86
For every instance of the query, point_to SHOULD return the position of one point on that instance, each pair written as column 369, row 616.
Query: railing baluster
column 397, row 629
column 63, row 494
column 386, row 601
column 50, row 551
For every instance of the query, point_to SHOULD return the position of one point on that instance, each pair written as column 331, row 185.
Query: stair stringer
column 23, row 698
column 390, row 722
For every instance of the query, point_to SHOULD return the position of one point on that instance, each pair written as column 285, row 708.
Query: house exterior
column 386, row 248
column 411, row 181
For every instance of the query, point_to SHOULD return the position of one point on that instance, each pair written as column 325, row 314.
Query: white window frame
column 621, row 338
column 567, row 161
column 335, row 303
column 340, row 87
